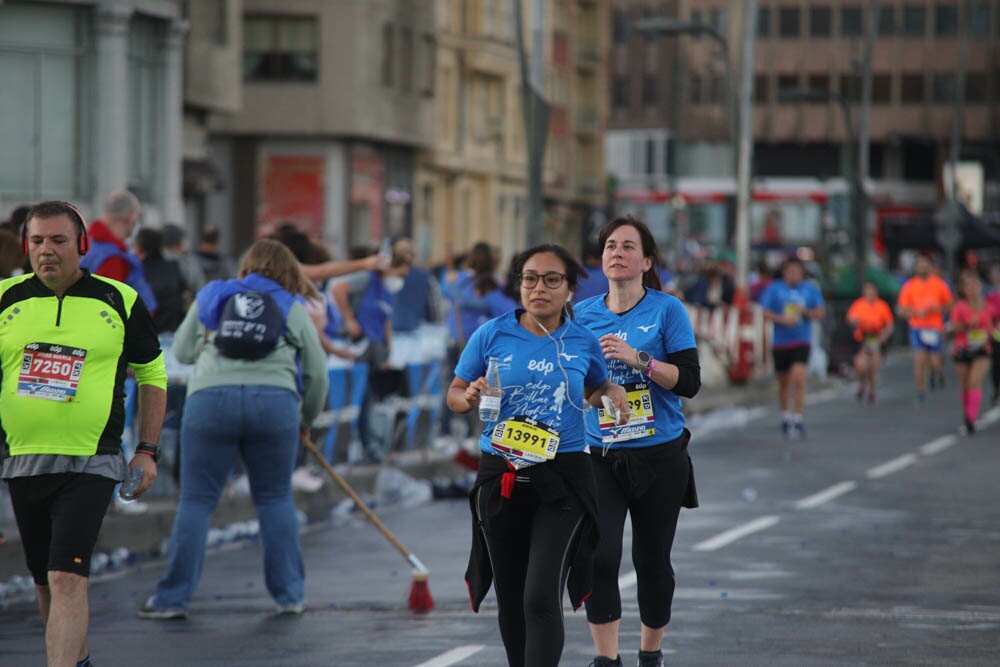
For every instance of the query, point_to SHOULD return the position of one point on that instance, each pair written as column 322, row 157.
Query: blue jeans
column 260, row 425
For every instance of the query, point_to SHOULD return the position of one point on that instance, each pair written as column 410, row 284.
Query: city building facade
column 807, row 89
column 337, row 99
column 92, row 103
column 472, row 184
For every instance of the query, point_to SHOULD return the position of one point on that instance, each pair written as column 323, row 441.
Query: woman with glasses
column 643, row 467
column 533, row 502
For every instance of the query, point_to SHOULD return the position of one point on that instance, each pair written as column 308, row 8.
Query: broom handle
column 346, row 488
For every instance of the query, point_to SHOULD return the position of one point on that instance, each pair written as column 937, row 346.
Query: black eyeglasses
column 552, row 280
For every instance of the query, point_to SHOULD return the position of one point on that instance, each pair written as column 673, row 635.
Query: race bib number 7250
column 51, row 372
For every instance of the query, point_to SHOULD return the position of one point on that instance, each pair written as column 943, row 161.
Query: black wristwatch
column 150, row 448
column 643, row 359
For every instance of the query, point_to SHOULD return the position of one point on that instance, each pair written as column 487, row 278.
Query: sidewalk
column 144, row 533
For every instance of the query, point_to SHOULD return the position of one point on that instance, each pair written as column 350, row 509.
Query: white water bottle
column 131, row 484
column 385, row 253
column 489, row 400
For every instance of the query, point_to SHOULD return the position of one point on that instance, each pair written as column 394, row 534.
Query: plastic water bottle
column 127, row 490
column 385, row 253
column 489, row 401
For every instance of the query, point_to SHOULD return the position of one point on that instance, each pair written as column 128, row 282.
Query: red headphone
column 83, row 242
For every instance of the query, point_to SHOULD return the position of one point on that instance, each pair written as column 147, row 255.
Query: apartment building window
column 695, row 92
column 764, row 22
column 406, row 61
column 819, row 82
column 980, row 19
column 789, row 22
column 911, row 89
column 850, row 21
column 428, row 57
column 945, row 20
column 881, row 89
column 914, row 20
column 717, row 19
column 943, row 88
column 280, row 48
column 146, row 102
column 761, row 89
column 620, row 27
column 220, row 22
column 976, row 88
column 619, row 92
column 649, row 91
column 850, row 87
column 886, row 20
column 45, row 56
column 717, row 90
column 788, row 82
column 819, row 22
column 388, row 54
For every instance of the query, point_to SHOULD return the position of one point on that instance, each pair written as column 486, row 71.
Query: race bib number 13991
column 50, row 372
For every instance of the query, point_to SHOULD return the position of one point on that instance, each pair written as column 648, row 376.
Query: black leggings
column 995, row 368
column 654, row 522
column 530, row 545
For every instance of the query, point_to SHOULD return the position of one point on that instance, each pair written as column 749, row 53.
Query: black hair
column 651, row 278
column 573, row 269
column 151, row 241
column 53, row 209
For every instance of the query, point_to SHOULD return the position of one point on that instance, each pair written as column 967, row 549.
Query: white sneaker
column 303, row 479
column 130, row 506
column 294, row 609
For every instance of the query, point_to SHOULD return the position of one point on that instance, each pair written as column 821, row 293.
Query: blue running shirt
column 659, row 325
column 779, row 298
column 542, row 377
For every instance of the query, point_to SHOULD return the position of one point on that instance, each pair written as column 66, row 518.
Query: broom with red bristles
column 420, row 593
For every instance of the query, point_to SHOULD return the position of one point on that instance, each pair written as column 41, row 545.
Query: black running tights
column 530, row 547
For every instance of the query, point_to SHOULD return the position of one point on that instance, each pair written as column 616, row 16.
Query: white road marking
column 453, row 656
column 889, row 467
column 824, row 395
column 627, row 580
column 938, row 445
column 733, row 534
column 990, row 417
column 825, row 496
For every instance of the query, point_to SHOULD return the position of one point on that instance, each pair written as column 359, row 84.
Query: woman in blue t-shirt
column 642, row 467
column 533, row 504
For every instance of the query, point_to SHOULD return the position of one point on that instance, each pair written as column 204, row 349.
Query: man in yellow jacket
column 67, row 339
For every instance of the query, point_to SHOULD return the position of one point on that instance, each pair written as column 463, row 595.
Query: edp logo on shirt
column 544, row 366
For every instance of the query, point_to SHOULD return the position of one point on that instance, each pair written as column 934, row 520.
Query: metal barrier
column 719, row 331
column 399, row 422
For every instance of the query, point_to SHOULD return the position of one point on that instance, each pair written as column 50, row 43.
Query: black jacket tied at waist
column 633, row 470
column 569, row 473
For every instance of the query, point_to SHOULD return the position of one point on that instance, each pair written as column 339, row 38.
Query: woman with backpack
column 260, row 377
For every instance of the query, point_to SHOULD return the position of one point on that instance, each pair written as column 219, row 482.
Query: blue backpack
column 250, row 326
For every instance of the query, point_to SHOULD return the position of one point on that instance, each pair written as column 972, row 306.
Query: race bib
column 930, row 337
column 50, row 372
column 524, row 441
column 976, row 338
column 794, row 310
column 871, row 341
column 641, row 419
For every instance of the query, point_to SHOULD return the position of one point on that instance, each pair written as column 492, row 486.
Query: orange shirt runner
column 927, row 298
column 872, row 317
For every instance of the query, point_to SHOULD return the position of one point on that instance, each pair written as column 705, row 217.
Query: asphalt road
column 875, row 541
